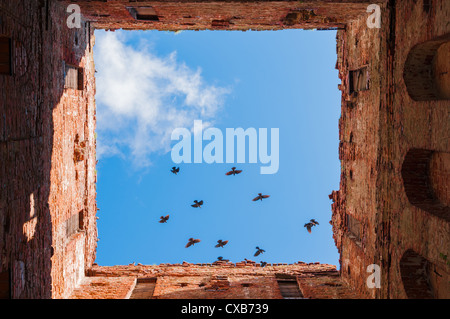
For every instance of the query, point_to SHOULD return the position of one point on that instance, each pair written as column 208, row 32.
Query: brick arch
column 415, row 273
column 427, row 70
column 425, row 174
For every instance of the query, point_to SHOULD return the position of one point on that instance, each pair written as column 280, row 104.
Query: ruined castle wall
column 42, row 186
column 73, row 172
column 25, row 149
column 230, row 15
column 213, row 281
column 374, row 193
column 355, row 221
column 422, row 125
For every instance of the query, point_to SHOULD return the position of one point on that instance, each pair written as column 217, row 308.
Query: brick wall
column 394, row 123
column 230, row 15
column 219, row 280
column 41, row 185
column 414, row 124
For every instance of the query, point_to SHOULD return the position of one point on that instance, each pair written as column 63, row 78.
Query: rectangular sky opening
column 278, row 88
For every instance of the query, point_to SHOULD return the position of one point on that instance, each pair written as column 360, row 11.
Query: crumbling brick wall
column 229, row 15
column 42, row 186
column 218, row 280
column 372, row 187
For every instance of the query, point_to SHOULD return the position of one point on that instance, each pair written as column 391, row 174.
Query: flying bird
column 308, row 226
column 175, row 170
column 233, row 171
column 263, row 264
column 197, row 203
column 163, row 219
column 192, row 241
column 258, row 251
column 221, row 243
column 312, row 222
column 260, row 197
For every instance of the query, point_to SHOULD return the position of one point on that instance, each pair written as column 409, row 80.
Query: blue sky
column 150, row 82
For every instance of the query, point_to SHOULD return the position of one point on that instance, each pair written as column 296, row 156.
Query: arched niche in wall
column 427, row 70
column 421, row 278
column 425, row 176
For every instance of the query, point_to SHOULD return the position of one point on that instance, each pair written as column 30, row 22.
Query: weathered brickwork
column 41, row 184
column 219, row 280
column 390, row 124
column 392, row 206
column 410, row 124
column 230, row 15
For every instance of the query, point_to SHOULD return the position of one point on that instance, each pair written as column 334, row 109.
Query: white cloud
column 141, row 98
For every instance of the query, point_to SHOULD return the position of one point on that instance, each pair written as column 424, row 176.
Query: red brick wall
column 236, row 15
column 73, row 179
column 104, row 288
column 359, row 46
column 214, row 281
column 413, row 124
column 39, row 121
column 392, row 124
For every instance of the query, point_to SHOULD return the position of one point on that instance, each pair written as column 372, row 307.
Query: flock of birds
column 220, row 242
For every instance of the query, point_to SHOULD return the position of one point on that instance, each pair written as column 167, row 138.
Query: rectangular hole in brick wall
column 73, row 225
column 354, row 228
column 143, row 13
column 350, row 104
column 5, row 284
column 220, row 23
column 359, row 80
column 289, row 289
column 144, row 288
column 5, row 56
column 73, row 77
column 80, row 79
column 81, row 219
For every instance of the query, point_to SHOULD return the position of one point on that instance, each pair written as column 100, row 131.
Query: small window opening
column 220, row 23
column 143, row 13
column 73, row 225
column 5, row 56
column 354, row 229
column 5, row 285
column 427, row 6
column 289, row 289
column 73, row 77
column 144, row 288
column 359, row 80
